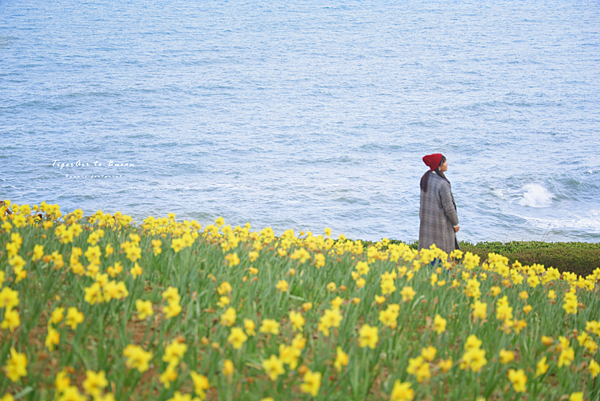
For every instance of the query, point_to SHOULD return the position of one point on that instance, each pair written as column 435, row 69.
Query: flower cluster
column 101, row 308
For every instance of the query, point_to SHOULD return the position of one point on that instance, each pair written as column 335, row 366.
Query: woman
column 439, row 221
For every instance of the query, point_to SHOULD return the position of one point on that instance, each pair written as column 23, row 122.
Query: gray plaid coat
column 438, row 215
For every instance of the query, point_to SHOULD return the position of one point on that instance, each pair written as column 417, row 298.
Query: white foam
column 536, row 195
column 589, row 222
column 499, row 193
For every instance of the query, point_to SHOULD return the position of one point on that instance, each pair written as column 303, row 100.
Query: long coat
column 438, row 215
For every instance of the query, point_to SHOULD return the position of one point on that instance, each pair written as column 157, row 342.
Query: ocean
column 306, row 114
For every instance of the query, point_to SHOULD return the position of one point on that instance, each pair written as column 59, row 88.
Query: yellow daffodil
column 201, row 384
column 336, row 303
column 52, row 339
column 297, row 320
column 250, row 327
column 518, row 380
column 594, row 368
column 16, row 365
column 228, row 318
column 137, row 358
column 171, row 310
column 439, row 324
column 379, row 299
column 273, row 367
column 38, row 252
column 282, row 286
column 94, row 383
column 429, row 353
column 362, row 268
column 223, row 302
column 389, row 317
column 541, row 367
column 319, row 260
column 570, row 303
column 578, row 396
column 445, row 365
column 566, row 357
column 269, row 326
column 407, row 294
column 225, row 288
column 177, row 396
column 419, row 368
column 174, row 352
column 547, row 341
column 402, row 391
column 72, row 393
column 93, row 294
column 144, row 309
column 12, row 319
column 341, row 359
column 74, row 318
column 331, row 318
column 506, row 356
column 299, row 342
column 168, row 376
column 312, row 383
column 474, row 357
column 237, row 337
column 368, row 336
column 9, row 298
column 136, row 270
column 289, row 355
column 114, row 270
column 62, row 381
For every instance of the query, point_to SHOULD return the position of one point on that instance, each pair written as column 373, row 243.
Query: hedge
column 577, row 257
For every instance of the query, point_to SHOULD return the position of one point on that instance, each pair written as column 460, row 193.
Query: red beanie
column 433, row 161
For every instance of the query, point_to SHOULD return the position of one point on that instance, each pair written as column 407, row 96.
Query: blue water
column 307, row 114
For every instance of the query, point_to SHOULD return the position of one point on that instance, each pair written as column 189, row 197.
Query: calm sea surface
column 307, row 114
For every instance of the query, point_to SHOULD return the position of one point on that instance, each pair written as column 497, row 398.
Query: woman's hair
column 425, row 178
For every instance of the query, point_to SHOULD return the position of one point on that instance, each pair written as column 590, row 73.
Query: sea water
column 306, row 114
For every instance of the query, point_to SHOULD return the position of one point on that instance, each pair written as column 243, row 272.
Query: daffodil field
column 101, row 308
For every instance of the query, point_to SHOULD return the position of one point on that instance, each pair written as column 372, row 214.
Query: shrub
column 576, row 257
